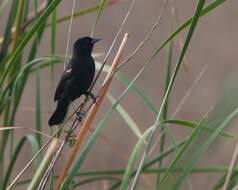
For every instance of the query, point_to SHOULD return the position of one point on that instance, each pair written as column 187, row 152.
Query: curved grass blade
column 130, row 166
column 127, row 118
column 206, row 127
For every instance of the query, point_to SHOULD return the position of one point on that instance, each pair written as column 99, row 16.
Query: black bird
column 76, row 79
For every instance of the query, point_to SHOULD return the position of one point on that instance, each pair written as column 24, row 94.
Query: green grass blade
column 206, row 127
column 127, row 118
column 102, row 4
column 35, row 148
column 38, row 107
column 130, row 166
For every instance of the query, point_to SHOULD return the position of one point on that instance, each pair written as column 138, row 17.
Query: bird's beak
column 95, row 40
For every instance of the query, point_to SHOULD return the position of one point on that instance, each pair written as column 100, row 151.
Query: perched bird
column 76, row 79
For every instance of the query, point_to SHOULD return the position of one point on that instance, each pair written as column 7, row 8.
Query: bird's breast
column 83, row 73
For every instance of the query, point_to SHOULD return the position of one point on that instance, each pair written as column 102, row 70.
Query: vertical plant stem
column 165, row 111
column 38, row 107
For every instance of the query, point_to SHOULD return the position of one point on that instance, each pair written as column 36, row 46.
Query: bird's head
column 84, row 45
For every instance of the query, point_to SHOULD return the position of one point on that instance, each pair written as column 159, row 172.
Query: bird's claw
column 80, row 115
column 92, row 96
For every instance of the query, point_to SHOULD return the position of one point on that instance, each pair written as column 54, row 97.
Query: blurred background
column 211, row 59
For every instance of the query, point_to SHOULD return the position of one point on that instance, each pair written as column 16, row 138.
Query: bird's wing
column 64, row 79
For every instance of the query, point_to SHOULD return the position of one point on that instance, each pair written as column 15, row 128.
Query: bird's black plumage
column 76, row 79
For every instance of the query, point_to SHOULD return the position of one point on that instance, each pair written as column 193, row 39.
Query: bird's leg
column 79, row 114
column 92, row 96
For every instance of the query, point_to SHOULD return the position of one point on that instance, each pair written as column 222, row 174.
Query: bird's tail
column 59, row 114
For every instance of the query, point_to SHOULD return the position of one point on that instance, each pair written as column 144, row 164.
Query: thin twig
column 146, row 38
column 46, row 177
column 231, row 168
column 25, row 128
column 70, row 26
